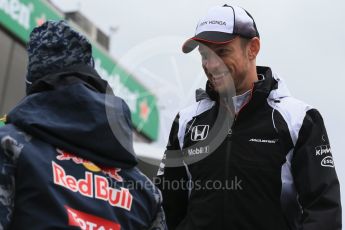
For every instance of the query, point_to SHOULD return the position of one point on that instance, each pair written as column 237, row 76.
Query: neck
column 248, row 81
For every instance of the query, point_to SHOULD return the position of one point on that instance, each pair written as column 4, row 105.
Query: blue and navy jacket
column 63, row 167
column 66, row 153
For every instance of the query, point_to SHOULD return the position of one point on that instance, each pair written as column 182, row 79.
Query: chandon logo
column 199, row 132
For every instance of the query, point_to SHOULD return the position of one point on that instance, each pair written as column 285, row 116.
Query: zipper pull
column 230, row 133
column 230, row 127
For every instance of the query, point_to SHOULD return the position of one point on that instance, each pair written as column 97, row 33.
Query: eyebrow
column 215, row 46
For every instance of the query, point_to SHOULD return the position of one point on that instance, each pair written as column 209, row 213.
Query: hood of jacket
column 78, row 119
column 68, row 105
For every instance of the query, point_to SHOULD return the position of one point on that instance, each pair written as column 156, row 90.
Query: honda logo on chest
column 199, row 132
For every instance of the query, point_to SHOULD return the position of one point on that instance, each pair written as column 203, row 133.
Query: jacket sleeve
column 172, row 180
column 159, row 223
column 8, row 160
column 315, row 177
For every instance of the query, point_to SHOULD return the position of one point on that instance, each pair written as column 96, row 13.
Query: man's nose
column 212, row 62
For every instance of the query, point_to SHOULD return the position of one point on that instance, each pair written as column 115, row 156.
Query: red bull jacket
column 62, row 166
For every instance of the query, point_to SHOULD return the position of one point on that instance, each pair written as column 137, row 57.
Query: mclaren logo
column 258, row 140
column 199, row 132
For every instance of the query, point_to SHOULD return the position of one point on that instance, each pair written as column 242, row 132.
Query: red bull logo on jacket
column 93, row 186
column 111, row 172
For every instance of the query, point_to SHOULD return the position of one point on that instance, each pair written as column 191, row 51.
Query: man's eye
column 222, row 52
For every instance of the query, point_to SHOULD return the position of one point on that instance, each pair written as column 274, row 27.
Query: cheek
column 230, row 63
column 206, row 73
column 237, row 66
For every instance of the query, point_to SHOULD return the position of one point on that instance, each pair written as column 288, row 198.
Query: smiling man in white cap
column 246, row 155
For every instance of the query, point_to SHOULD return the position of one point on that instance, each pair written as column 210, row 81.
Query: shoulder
column 291, row 109
column 11, row 130
column 12, row 141
column 187, row 114
column 195, row 109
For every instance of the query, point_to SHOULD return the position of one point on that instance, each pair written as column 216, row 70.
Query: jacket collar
column 260, row 92
column 265, row 88
column 261, row 87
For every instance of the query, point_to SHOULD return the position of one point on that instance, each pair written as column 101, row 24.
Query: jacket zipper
column 227, row 158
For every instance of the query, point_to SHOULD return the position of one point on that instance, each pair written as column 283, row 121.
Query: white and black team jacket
column 268, row 167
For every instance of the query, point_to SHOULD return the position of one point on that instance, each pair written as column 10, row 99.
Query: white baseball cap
column 222, row 24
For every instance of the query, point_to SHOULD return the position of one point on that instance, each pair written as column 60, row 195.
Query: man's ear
column 253, row 48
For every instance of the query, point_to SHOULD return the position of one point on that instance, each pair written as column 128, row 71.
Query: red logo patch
column 89, row 222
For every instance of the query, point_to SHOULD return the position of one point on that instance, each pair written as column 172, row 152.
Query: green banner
column 2, row 120
column 140, row 101
column 21, row 16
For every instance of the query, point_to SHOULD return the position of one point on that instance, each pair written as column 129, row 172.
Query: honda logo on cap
column 199, row 132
